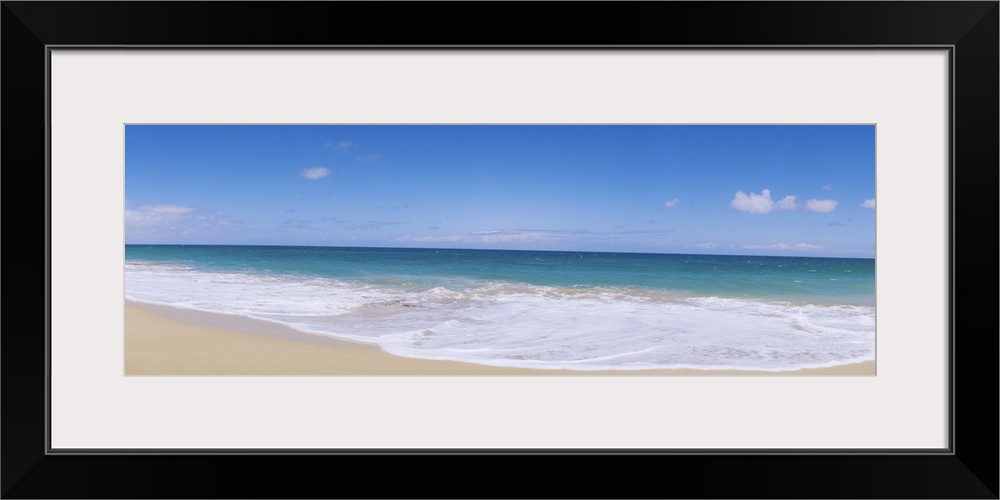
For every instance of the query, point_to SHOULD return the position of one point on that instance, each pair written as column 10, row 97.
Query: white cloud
column 344, row 146
column 670, row 204
column 828, row 187
column 821, row 206
column 173, row 223
column 801, row 247
column 705, row 246
column 754, row 203
column 514, row 236
column 149, row 216
column 315, row 173
column 506, row 236
column 523, row 235
column 788, row 203
column 762, row 203
column 426, row 239
column 366, row 226
column 868, row 204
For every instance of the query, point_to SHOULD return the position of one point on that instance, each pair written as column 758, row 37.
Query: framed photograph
column 499, row 249
column 259, row 243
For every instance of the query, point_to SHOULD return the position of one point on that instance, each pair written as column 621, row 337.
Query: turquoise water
column 796, row 279
column 536, row 309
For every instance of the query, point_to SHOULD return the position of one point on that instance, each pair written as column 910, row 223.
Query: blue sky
column 740, row 189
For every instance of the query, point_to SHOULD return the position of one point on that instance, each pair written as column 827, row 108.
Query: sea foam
column 516, row 324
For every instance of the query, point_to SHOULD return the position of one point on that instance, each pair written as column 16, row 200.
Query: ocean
column 534, row 309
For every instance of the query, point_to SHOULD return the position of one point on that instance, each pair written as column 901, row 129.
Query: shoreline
column 164, row 340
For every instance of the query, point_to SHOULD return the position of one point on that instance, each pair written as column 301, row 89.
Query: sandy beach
column 169, row 341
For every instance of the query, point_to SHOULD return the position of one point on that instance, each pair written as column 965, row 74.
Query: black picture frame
column 968, row 470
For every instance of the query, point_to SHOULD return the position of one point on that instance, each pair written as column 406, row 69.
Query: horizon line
column 489, row 250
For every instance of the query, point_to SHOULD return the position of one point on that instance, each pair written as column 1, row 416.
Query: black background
column 970, row 472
